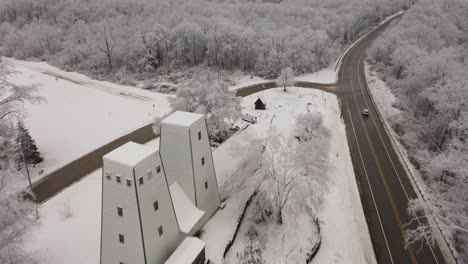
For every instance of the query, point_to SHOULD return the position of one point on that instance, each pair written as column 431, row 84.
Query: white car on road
column 365, row 112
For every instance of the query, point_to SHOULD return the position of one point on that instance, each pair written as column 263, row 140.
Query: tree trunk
column 280, row 217
column 109, row 58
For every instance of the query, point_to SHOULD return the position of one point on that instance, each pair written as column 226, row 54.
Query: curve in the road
column 384, row 184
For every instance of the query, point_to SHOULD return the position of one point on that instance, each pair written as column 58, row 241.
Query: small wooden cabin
column 260, row 105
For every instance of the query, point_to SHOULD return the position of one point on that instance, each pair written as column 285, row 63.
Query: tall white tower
column 138, row 222
column 186, row 154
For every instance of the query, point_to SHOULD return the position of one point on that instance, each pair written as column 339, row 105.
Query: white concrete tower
column 186, row 154
column 138, row 222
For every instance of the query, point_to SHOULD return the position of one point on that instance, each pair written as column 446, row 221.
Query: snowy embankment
column 76, row 239
column 384, row 100
column 80, row 114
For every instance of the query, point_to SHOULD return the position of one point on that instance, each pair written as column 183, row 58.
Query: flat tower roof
column 182, row 118
column 130, row 154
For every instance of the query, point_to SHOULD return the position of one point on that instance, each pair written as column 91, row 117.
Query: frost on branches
column 285, row 78
column 213, row 99
column 106, row 38
column 293, row 167
column 423, row 61
column 16, row 217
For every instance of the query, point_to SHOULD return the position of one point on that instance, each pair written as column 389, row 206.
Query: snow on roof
column 261, row 99
column 187, row 214
column 130, row 154
column 182, row 118
column 186, row 252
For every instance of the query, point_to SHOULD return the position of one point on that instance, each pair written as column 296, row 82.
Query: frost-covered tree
column 253, row 250
column 12, row 98
column 310, row 126
column 255, row 36
column 291, row 167
column 285, row 78
column 281, row 180
column 17, row 216
column 311, row 156
column 27, row 146
column 422, row 58
column 105, row 36
column 213, row 99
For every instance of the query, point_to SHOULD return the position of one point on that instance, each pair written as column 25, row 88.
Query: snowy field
column 80, row 114
column 325, row 76
column 70, row 222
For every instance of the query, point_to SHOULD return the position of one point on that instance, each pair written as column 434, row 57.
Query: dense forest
column 122, row 38
column 424, row 60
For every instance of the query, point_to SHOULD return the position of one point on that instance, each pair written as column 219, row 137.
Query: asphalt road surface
column 384, row 185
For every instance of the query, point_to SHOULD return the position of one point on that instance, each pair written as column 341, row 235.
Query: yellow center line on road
column 386, row 150
column 382, row 175
column 370, row 186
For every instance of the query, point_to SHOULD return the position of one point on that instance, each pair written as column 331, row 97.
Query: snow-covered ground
column 344, row 229
column 325, row 76
column 80, row 114
column 345, row 237
column 248, row 80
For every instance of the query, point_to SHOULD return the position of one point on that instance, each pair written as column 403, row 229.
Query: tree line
column 118, row 37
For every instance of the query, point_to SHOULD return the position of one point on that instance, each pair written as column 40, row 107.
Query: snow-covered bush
column 213, row 99
column 263, row 208
column 310, row 126
column 253, row 249
column 67, row 211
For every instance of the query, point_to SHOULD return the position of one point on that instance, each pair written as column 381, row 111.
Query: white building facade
column 138, row 219
column 152, row 200
column 187, row 157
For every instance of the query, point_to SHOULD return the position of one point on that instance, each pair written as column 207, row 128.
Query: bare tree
column 281, row 180
column 447, row 212
column 253, row 248
column 106, row 39
column 293, row 167
column 13, row 96
column 286, row 78
column 17, row 215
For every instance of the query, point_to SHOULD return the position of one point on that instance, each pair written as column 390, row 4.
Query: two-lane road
column 384, row 185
